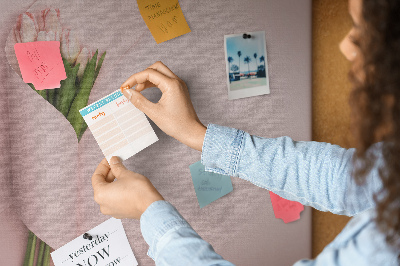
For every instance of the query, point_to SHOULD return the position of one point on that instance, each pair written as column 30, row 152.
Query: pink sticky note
column 286, row 210
column 41, row 63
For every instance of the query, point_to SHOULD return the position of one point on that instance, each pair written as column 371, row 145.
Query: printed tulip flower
column 27, row 28
column 50, row 19
column 82, row 60
column 47, row 36
column 69, row 46
column 81, row 68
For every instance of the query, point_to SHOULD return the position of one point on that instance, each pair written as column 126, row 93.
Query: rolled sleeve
column 222, row 148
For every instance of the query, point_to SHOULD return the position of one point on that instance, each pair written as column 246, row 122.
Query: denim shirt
column 313, row 173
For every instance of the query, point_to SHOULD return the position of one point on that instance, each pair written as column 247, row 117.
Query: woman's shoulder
column 363, row 236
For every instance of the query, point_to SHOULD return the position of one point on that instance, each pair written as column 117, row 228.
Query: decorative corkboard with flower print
column 81, row 68
column 80, row 64
column 46, row 177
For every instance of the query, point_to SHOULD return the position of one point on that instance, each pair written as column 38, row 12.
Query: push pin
column 246, row 36
column 87, row 236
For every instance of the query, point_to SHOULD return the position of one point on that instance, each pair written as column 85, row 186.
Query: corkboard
column 331, row 89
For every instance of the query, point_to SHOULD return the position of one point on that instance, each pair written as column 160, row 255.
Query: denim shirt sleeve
column 313, row 173
column 172, row 241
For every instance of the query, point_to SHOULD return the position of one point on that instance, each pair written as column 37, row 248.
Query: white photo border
column 248, row 92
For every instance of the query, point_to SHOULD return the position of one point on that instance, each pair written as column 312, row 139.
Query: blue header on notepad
column 100, row 103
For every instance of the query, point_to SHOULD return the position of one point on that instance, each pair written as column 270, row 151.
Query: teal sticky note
column 209, row 186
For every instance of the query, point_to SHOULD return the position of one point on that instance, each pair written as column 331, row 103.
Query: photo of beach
column 246, row 64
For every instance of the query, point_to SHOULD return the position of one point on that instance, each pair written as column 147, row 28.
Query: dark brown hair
column 375, row 101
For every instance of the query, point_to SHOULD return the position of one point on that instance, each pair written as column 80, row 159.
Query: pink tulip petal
column 82, row 60
column 64, row 43
column 17, row 36
column 52, row 21
column 28, row 28
column 41, row 36
column 73, row 47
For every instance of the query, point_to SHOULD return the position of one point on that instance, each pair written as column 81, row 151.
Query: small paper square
column 41, row 63
column 109, row 246
column 164, row 19
column 209, row 186
column 287, row 210
column 118, row 126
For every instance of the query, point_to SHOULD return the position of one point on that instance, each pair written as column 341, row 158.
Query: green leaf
column 99, row 64
column 41, row 253
column 67, row 89
column 81, row 99
column 83, row 128
column 46, row 256
column 51, row 93
column 30, row 250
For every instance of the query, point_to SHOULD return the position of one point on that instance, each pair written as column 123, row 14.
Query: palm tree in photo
column 239, row 54
column 262, row 59
column 247, row 60
column 255, row 58
column 230, row 60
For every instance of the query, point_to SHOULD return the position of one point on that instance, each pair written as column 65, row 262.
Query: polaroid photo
column 246, row 65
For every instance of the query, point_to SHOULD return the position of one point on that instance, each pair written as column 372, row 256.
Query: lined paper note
column 118, row 126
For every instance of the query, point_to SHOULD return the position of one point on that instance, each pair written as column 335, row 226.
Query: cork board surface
column 330, row 100
column 331, row 89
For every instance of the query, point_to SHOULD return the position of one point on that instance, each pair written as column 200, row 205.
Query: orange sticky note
column 164, row 18
column 41, row 63
column 287, row 210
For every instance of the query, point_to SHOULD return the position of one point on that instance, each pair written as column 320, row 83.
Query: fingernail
column 115, row 160
column 124, row 88
column 129, row 92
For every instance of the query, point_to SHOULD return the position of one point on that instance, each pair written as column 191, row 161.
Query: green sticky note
column 209, row 186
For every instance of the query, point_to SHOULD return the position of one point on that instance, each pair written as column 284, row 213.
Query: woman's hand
column 127, row 197
column 174, row 113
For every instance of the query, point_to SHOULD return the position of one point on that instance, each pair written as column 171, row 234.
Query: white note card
column 109, row 247
column 118, row 126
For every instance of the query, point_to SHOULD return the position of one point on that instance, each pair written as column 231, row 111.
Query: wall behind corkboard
column 331, row 89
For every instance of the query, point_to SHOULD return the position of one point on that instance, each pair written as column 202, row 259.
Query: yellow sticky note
column 164, row 18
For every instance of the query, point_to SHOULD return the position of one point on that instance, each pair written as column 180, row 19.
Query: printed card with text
column 109, row 246
column 118, row 126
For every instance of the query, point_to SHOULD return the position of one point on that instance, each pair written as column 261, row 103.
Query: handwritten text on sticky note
column 209, row 186
column 284, row 209
column 41, row 63
column 164, row 18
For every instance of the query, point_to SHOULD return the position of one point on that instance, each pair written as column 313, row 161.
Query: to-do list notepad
column 118, row 126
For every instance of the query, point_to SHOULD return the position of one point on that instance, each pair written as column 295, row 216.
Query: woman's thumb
column 138, row 100
column 117, row 167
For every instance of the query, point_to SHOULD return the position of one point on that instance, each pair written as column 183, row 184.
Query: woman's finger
column 160, row 67
column 159, row 80
column 142, row 86
column 110, row 177
column 100, row 174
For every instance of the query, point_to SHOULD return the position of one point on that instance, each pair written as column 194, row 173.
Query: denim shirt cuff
column 222, row 148
column 158, row 219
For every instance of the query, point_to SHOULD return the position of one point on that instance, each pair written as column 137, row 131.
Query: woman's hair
column 375, row 101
